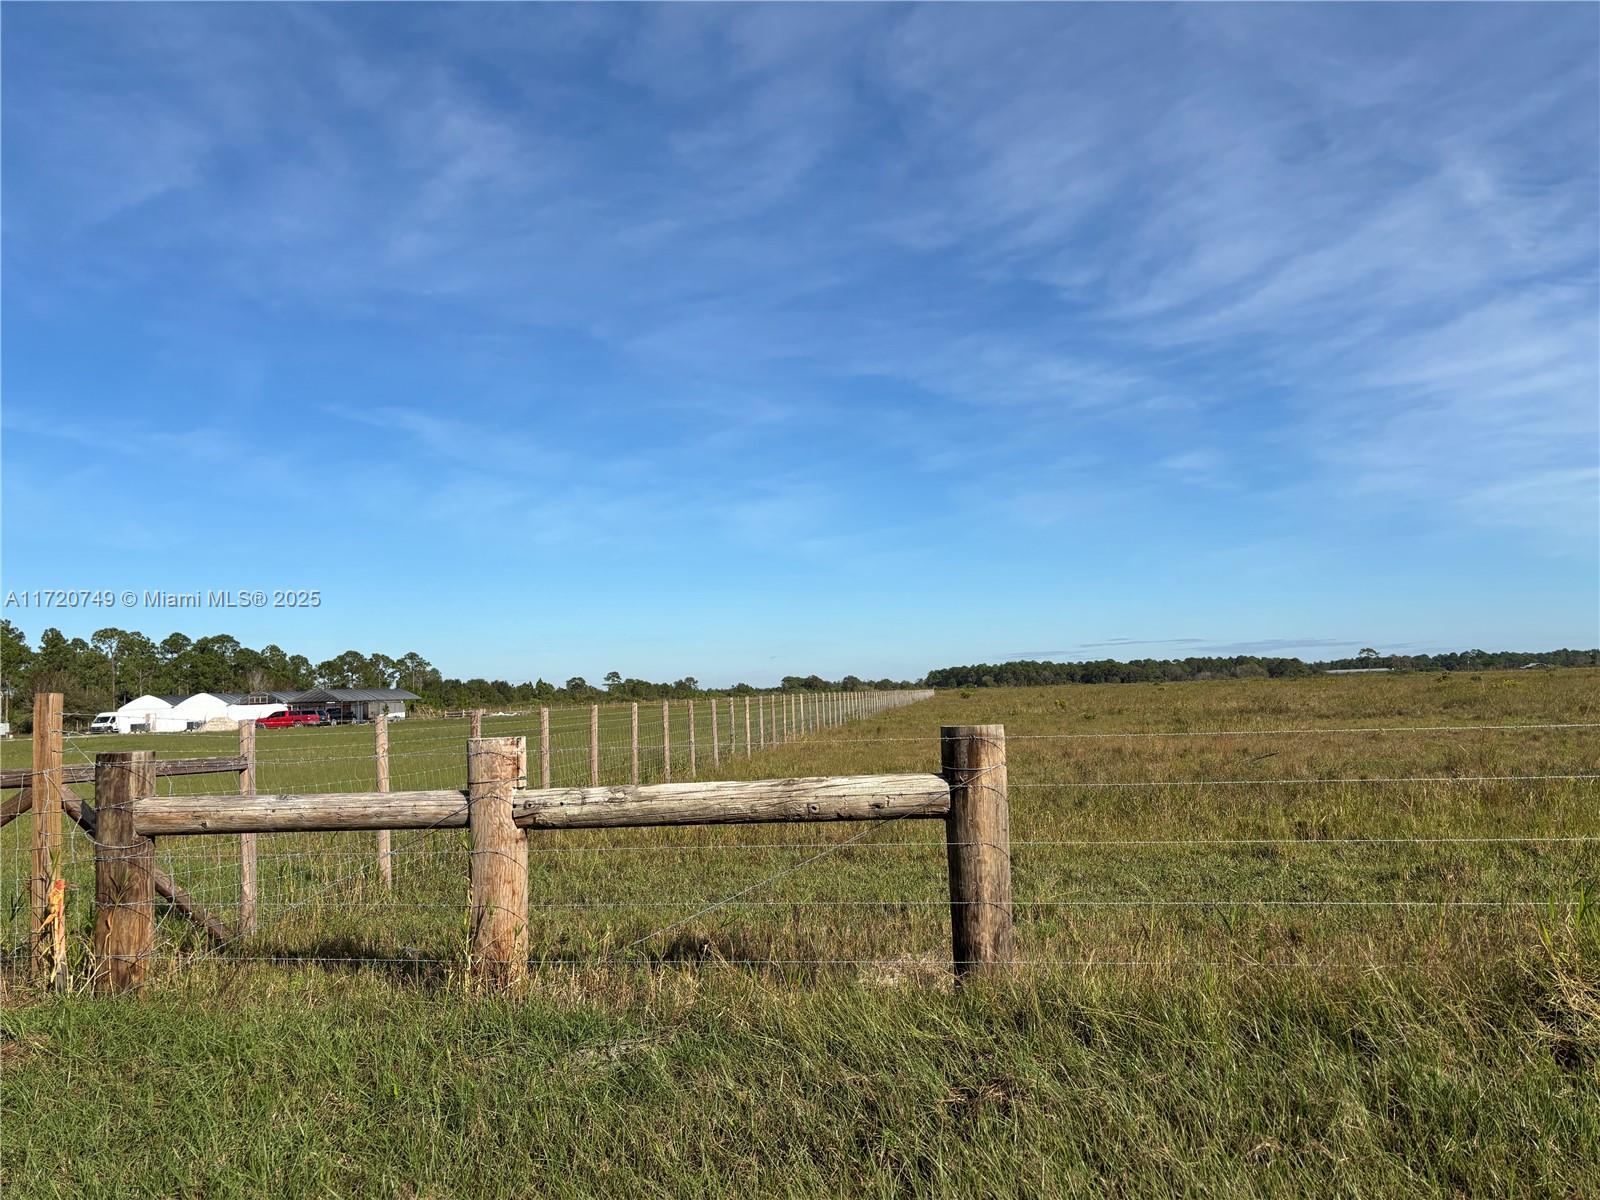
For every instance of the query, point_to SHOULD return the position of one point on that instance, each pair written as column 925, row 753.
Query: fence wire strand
column 316, row 890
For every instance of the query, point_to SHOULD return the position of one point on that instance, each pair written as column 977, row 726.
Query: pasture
column 1256, row 960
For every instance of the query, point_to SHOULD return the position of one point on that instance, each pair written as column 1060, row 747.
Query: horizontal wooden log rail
column 16, row 777
column 817, row 798
column 823, row 798
column 164, row 816
column 969, row 795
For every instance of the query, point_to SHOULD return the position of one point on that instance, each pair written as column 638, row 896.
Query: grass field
column 1379, row 979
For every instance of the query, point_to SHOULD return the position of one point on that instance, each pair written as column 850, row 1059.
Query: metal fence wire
column 1277, row 848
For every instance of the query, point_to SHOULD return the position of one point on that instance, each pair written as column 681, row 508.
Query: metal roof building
column 270, row 697
column 354, row 704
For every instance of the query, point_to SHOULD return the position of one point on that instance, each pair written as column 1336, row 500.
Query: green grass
column 1447, row 1048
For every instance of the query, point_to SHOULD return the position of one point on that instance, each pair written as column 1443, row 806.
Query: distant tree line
column 1035, row 673
column 113, row 666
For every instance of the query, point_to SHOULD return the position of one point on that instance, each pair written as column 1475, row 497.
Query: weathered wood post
column 693, row 765
column 633, row 721
column 249, row 881
column 380, row 733
column 544, row 747
column 666, row 740
column 716, row 740
column 978, row 842
column 594, row 745
column 499, row 863
column 124, row 872
column 747, row 726
column 475, row 724
column 761, row 721
column 46, row 891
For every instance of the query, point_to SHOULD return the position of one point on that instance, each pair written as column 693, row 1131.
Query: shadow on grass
column 350, row 956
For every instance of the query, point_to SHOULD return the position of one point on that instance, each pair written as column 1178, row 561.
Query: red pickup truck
column 287, row 720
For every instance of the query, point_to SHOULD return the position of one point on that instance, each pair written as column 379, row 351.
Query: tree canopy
column 114, row 665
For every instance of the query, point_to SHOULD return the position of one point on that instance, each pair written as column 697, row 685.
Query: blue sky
column 736, row 342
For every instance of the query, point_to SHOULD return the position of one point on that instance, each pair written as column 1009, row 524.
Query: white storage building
column 202, row 708
column 150, row 713
column 194, row 711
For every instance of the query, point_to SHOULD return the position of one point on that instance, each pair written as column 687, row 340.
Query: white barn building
column 194, row 711
column 203, row 708
column 149, row 713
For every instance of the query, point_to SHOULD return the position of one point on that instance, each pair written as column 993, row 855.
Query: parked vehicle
column 105, row 722
column 288, row 720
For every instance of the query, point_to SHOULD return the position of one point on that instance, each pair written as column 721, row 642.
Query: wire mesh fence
column 1320, row 848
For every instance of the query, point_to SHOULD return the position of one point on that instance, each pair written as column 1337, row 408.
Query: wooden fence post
column 978, row 842
column 747, row 726
column 633, row 720
column 761, row 721
column 475, row 724
column 380, row 732
column 249, row 881
column 594, row 745
column 124, row 872
column 544, row 747
column 716, row 740
column 499, row 863
column 666, row 740
column 693, row 768
column 46, row 892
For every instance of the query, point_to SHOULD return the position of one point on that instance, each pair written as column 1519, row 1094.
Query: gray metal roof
column 348, row 695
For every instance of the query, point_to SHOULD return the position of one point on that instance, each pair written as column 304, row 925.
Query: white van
column 104, row 723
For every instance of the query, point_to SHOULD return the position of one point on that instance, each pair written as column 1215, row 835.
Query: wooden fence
column 501, row 813
column 45, row 789
column 733, row 727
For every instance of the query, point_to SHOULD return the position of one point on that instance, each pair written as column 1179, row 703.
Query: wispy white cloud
column 1186, row 245
column 484, row 445
column 1194, row 647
